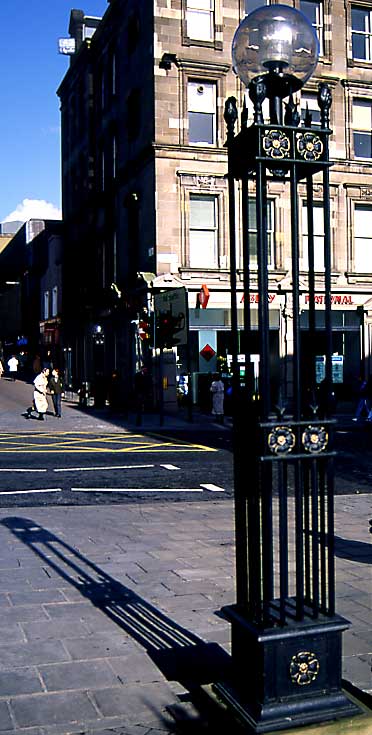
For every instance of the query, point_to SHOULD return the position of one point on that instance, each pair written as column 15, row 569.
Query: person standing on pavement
column 218, row 395
column 57, row 390
column 1, row 369
column 40, row 397
column 13, row 367
column 364, row 400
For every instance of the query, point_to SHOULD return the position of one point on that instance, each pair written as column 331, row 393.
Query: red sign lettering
column 336, row 299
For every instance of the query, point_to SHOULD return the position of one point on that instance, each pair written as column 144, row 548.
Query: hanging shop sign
column 203, row 297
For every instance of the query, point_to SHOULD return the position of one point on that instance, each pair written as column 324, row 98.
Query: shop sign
column 203, row 296
column 254, row 298
column 207, row 352
column 336, row 299
column 174, row 304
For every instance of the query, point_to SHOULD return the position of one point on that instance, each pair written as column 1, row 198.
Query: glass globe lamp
column 277, row 42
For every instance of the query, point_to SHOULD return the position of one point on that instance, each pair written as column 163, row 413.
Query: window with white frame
column 46, row 304
column 202, row 112
column 113, row 73
column 361, row 33
column 103, row 89
column 114, row 257
column 318, row 227
column 362, row 127
column 203, row 231
column 114, row 156
column 309, row 104
column 251, row 5
column 252, row 230
column 313, row 9
column 54, row 300
column 362, row 238
column 102, row 169
column 200, row 19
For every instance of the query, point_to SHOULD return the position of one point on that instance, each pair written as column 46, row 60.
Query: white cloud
column 33, row 209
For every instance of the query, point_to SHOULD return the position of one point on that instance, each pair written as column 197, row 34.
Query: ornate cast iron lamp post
column 286, row 635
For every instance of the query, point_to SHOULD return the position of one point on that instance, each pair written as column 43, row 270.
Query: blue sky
column 30, row 74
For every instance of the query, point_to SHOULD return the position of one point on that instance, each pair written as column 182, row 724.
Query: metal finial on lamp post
column 286, row 636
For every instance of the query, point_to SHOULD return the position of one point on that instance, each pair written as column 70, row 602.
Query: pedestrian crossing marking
column 85, row 442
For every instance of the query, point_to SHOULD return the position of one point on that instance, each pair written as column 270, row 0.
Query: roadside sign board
column 174, row 303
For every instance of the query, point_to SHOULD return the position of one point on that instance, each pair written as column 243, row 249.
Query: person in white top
column 13, row 367
column 218, row 394
column 40, row 397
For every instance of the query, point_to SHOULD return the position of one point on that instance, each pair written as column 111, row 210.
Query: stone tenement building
column 144, row 187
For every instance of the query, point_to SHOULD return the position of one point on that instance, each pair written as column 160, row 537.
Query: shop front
column 348, row 340
column 210, row 341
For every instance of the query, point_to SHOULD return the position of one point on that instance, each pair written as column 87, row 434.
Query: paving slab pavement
column 110, row 616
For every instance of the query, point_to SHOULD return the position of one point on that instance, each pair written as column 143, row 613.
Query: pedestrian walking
column 1, row 369
column 218, row 395
column 13, row 363
column 364, row 402
column 40, row 403
column 57, row 390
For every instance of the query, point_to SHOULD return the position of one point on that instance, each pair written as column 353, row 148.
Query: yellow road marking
column 78, row 442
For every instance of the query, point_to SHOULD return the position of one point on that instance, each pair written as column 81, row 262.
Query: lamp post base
column 286, row 677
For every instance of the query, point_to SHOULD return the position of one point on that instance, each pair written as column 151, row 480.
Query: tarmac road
column 90, row 457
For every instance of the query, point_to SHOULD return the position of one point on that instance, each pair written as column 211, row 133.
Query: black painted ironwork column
column 286, row 636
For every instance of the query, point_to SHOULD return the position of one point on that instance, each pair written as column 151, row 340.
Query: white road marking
column 26, row 492
column 169, row 466
column 135, row 490
column 109, row 467
column 213, row 488
column 13, row 469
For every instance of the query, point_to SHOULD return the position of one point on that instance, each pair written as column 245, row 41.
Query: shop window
column 362, row 239
column 318, row 220
column 203, row 231
column 362, row 124
column 252, row 231
column 202, row 112
column 200, row 19
column 361, row 33
column 309, row 104
column 314, row 13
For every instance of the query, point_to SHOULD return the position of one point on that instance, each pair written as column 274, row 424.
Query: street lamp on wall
column 286, row 635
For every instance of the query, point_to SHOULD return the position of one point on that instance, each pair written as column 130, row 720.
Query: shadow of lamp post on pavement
column 285, row 632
